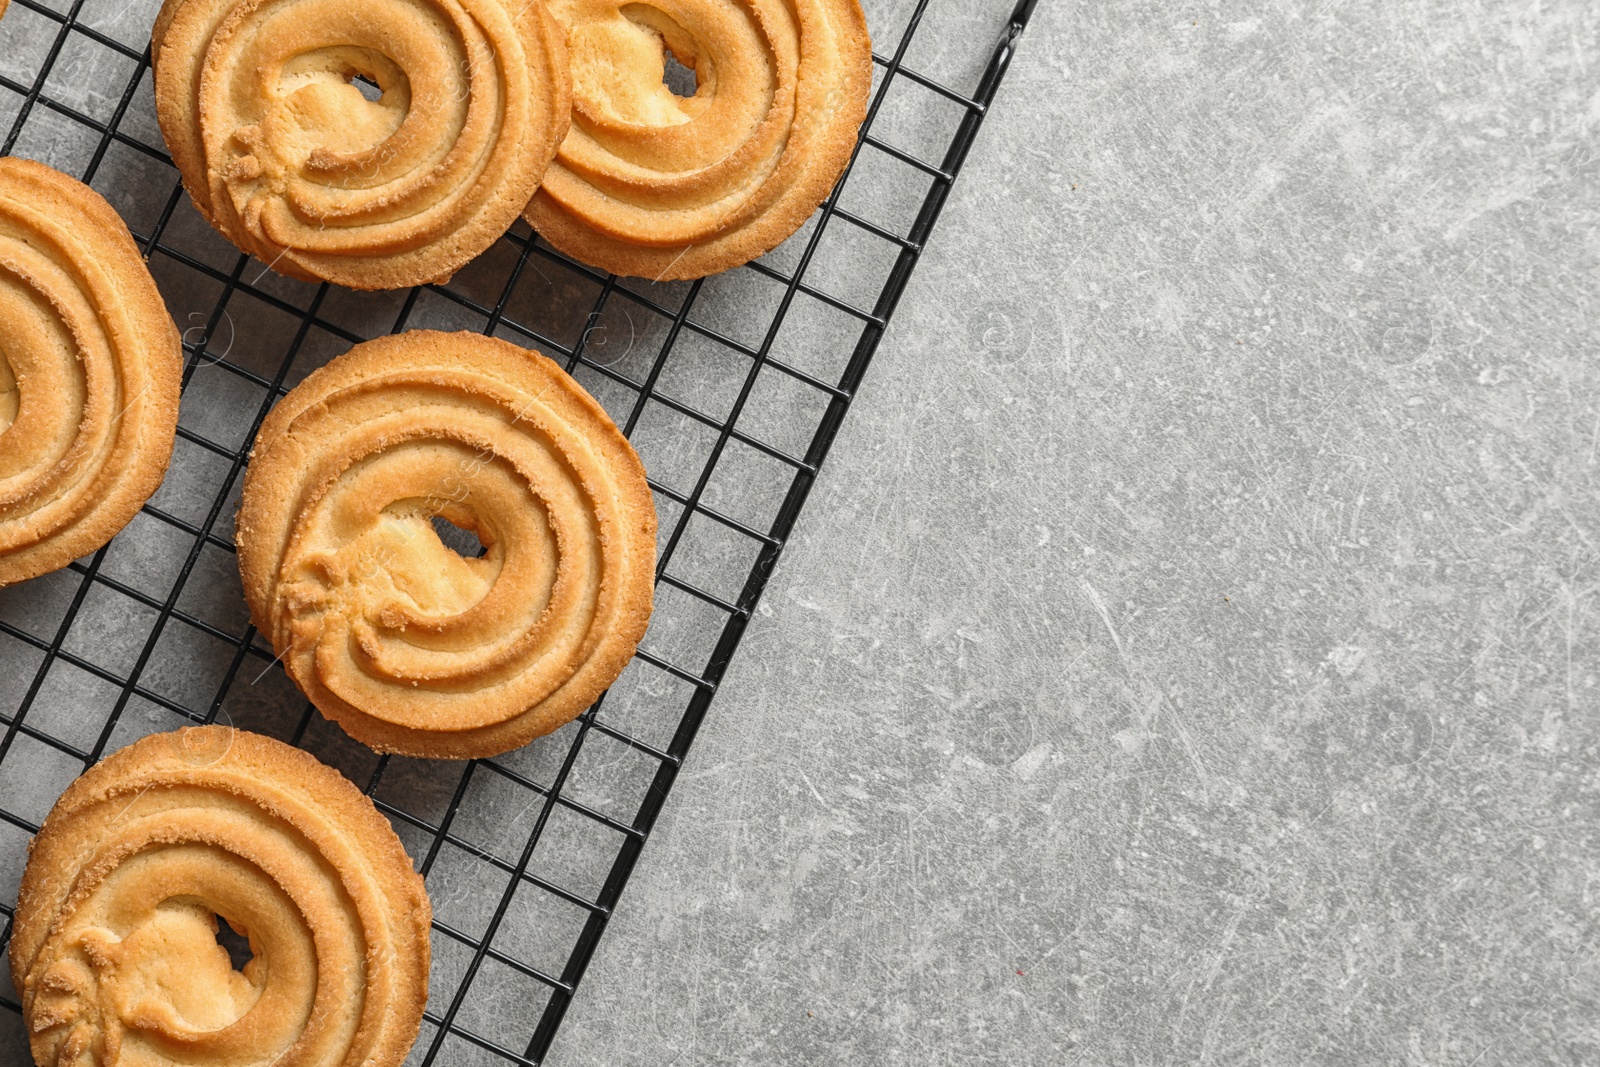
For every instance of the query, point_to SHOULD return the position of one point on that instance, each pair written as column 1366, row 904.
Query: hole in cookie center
column 237, row 945
column 682, row 80
column 368, row 88
column 462, row 542
column 10, row 398
column 337, row 105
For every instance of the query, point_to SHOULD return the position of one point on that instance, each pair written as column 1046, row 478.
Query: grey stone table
column 1191, row 655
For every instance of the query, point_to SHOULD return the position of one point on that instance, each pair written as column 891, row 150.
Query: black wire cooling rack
column 732, row 389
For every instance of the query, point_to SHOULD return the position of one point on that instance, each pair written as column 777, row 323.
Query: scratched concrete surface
column 1189, row 653
column 1189, row 656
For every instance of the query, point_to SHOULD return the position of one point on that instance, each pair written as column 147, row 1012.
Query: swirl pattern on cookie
column 262, row 107
column 90, row 368
column 115, row 950
column 409, row 646
column 661, row 186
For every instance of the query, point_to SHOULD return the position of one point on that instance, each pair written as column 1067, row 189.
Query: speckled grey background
column 1190, row 657
column 1189, row 654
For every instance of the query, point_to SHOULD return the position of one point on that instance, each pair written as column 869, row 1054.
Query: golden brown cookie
column 90, row 368
column 409, row 646
column 115, row 953
column 263, row 111
column 660, row 186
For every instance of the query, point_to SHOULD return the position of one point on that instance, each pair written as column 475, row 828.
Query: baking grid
column 731, row 388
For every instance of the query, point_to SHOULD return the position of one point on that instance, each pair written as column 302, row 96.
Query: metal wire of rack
column 732, row 388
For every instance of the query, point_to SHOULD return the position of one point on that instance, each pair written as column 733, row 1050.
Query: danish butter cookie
column 262, row 106
column 90, row 368
column 661, row 186
column 406, row 644
column 115, row 953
